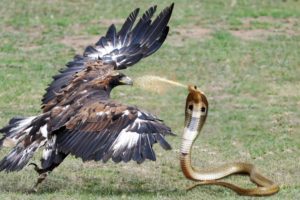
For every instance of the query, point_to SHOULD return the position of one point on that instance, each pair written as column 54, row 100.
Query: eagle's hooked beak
column 125, row 80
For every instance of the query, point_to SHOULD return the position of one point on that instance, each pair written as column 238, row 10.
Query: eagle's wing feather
column 127, row 26
column 121, row 49
column 127, row 47
column 61, row 80
column 102, row 131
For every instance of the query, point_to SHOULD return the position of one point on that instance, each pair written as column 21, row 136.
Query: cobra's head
column 195, row 111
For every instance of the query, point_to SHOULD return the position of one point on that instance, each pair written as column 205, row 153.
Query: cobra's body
column 195, row 116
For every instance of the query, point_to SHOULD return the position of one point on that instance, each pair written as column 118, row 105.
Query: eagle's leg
column 43, row 172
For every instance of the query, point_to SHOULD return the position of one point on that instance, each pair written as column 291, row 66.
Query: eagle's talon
column 41, row 178
column 36, row 168
column 33, row 190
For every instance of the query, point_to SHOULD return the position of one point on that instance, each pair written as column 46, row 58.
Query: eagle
column 79, row 118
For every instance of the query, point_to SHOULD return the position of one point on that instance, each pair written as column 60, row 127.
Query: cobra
column 196, row 111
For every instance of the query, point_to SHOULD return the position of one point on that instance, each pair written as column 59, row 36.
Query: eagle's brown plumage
column 79, row 118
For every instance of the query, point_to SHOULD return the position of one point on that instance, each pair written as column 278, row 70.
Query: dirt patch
column 79, row 43
column 32, row 34
column 262, row 34
column 179, row 35
column 258, row 34
column 176, row 37
column 193, row 32
column 288, row 22
column 217, row 90
column 285, row 90
column 259, row 28
column 270, row 27
column 35, row 34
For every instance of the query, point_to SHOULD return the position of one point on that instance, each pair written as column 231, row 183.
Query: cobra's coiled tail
column 195, row 115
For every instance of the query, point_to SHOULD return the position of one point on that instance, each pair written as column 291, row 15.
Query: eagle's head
column 116, row 78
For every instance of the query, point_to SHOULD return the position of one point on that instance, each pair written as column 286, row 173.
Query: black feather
column 89, row 50
column 147, row 149
column 84, row 144
column 157, row 44
column 126, row 28
column 11, row 124
column 89, row 153
column 102, row 43
column 120, row 49
column 163, row 142
column 137, row 154
column 117, row 159
column 146, row 37
column 65, row 76
column 111, row 35
column 18, row 157
column 142, row 26
column 127, row 155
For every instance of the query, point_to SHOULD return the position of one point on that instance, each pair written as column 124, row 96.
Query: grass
column 252, row 86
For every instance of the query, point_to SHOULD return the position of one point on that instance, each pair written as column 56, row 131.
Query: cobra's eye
column 203, row 109
column 190, row 107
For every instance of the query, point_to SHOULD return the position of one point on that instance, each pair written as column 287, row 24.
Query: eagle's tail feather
column 132, row 43
column 25, row 135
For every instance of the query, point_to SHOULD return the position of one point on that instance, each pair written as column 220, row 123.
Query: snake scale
column 195, row 115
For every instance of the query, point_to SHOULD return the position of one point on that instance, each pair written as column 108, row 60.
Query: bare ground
column 288, row 27
column 178, row 36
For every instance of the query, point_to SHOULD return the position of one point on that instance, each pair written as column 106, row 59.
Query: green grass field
column 245, row 55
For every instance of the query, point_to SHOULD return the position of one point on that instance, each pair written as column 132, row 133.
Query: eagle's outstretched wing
column 104, row 130
column 120, row 49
